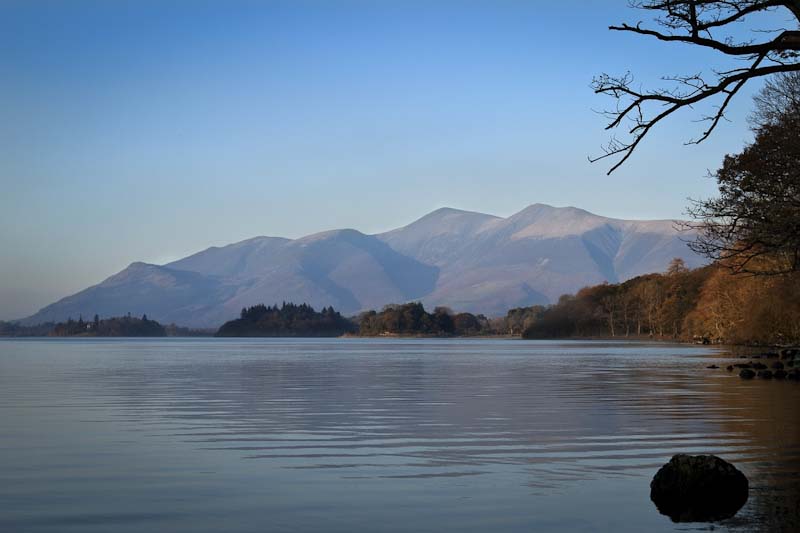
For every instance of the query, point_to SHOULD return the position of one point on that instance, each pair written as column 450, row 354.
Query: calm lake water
column 377, row 435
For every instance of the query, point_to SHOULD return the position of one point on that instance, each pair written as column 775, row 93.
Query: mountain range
column 465, row 260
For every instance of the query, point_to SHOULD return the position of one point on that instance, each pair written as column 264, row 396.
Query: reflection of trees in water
column 765, row 414
column 753, row 424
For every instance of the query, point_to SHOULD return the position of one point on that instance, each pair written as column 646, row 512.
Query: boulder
column 729, row 368
column 765, row 374
column 743, row 365
column 793, row 375
column 777, row 365
column 779, row 374
column 759, row 366
column 788, row 353
column 747, row 374
column 698, row 488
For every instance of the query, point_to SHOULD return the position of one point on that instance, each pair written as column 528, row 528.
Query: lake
column 254, row 435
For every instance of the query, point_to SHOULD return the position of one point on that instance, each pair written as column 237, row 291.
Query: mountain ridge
column 467, row 260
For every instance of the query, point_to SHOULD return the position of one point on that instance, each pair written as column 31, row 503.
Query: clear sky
column 148, row 130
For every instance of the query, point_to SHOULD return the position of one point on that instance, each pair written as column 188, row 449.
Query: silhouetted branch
column 692, row 22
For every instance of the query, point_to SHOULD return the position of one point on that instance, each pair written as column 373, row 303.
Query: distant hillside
column 468, row 261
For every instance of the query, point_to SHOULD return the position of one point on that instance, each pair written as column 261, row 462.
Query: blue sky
column 148, row 130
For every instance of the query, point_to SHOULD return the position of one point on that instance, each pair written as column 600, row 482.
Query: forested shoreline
column 412, row 319
column 708, row 305
column 126, row 326
column 123, row 326
column 289, row 320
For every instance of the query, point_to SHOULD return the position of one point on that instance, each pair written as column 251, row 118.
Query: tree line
column 125, row 326
column 708, row 304
column 412, row 319
column 288, row 320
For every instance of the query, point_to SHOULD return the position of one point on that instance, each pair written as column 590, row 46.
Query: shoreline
column 738, row 348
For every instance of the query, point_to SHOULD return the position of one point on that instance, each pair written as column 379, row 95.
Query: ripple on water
column 381, row 435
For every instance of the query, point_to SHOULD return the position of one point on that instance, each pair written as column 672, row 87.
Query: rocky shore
column 785, row 364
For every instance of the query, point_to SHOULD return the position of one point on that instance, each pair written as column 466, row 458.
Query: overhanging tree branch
column 786, row 41
column 693, row 22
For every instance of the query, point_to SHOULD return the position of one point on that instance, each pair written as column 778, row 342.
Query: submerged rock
column 759, row 366
column 698, row 488
column 747, row 374
column 765, row 374
column 729, row 368
column 712, row 366
column 779, row 374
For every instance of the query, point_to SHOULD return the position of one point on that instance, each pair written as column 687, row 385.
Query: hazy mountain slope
column 440, row 237
column 164, row 294
column 344, row 268
column 489, row 264
column 465, row 260
column 241, row 259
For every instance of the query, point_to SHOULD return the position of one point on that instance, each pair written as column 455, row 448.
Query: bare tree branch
column 694, row 22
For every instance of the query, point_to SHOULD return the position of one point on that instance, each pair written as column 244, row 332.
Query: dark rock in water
column 777, row 365
column 765, row 374
column 698, row 488
column 759, row 366
column 779, row 374
column 729, row 368
column 755, row 356
column 793, row 375
column 712, row 366
column 771, row 354
column 743, row 365
column 789, row 353
column 747, row 374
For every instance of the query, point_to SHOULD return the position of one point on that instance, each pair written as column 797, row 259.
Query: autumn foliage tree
column 653, row 305
column 747, row 309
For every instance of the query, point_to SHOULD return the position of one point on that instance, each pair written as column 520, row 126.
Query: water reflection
column 765, row 414
column 466, row 434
